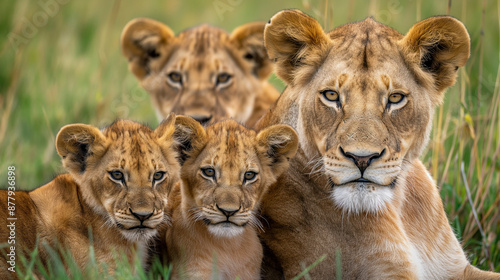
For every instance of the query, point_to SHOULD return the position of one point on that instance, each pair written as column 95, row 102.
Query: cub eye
column 209, row 172
column 158, row 176
column 330, row 95
column 116, row 175
column 249, row 175
column 223, row 78
column 248, row 56
column 396, row 98
column 175, row 77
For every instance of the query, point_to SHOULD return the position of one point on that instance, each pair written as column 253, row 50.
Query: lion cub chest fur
column 203, row 72
column 116, row 191
column 226, row 170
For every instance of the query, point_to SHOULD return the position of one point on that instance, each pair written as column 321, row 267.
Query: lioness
column 226, row 169
column 361, row 98
column 114, row 196
column 203, row 72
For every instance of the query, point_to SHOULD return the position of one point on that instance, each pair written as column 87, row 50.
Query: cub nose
column 203, row 119
column 141, row 216
column 228, row 212
column 361, row 161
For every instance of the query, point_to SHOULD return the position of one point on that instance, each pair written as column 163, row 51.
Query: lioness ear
column 143, row 41
column 439, row 45
column 165, row 131
column 76, row 142
column 250, row 39
column 190, row 136
column 279, row 144
column 297, row 43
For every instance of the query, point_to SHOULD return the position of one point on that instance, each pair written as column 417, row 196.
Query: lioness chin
column 113, row 198
column 361, row 98
column 226, row 169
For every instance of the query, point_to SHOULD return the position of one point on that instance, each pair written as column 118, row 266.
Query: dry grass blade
column 480, row 71
column 467, row 189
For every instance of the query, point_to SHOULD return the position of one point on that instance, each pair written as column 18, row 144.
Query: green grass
column 71, row 70
column 62, row 266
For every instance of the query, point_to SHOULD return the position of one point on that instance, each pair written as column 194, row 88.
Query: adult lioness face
column 204, row 72
column 364, row 96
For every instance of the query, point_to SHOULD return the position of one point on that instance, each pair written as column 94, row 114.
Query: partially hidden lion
column 203, row 72
column 113, row 198
column 361, row 99
column 226, row 169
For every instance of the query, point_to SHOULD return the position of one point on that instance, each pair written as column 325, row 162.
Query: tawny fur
column 198, row 56
column 383, row 216
column 203, row 242
column 87, row 207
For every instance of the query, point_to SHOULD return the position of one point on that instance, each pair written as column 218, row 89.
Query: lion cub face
column 226, row 170
column 365, row 95
column 204, row 72
column 125, row 172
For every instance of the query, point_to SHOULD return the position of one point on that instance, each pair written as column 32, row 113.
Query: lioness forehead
column 365, row 56
column 365, row 43
column 365, row 53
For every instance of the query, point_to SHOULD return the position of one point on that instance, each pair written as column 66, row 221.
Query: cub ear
column 165, row 131
column 143, row 41
column 250, row 39
column 75, row 143
column 279, row 143
column 297, row 43
column 190, row 136
column 438, row 45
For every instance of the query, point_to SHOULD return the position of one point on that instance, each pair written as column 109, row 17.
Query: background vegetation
column 62, row 64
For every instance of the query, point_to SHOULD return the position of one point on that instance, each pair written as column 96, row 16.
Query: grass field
column 61, row 63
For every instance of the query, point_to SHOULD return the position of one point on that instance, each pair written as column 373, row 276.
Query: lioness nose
column 228, row 212
column 362, row 162
column 141, row 216
column 201, row 118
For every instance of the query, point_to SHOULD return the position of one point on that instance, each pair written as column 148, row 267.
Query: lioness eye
column 116, row 175
column 175, row 77
column 158, row 175
column 223, row 78
column 249, row 175
column 330, row 95
column 209, row 172
column 396, row 98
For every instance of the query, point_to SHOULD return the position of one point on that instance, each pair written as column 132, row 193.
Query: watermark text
column 30, row 26
column 11, row 218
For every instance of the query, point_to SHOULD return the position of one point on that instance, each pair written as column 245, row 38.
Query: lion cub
column 115, row 194
column 204, row 72
column 226, row 169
